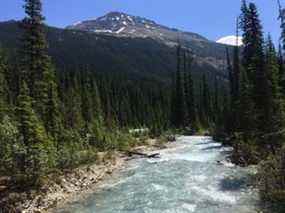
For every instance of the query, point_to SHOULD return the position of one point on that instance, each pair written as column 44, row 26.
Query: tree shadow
column 233, row 184
column 269, row 207
column 226, row 152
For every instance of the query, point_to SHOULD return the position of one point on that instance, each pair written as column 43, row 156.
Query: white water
column 187, row 178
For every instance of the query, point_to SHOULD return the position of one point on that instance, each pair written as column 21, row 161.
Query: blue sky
column 210, row 18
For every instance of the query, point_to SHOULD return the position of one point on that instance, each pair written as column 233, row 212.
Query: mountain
column 122, row 53
column 122, row 24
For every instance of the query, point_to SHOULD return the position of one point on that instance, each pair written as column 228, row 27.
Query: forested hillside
column 137, row 57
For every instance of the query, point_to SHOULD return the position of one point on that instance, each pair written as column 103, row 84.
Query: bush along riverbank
column 270, row 176
column 62, row 186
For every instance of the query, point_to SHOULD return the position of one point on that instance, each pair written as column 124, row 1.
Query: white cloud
column 230, row 40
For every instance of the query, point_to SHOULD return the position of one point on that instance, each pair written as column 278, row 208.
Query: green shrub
column 8, row 143
column 67, row 154
column 272, row 178
column 246, row 152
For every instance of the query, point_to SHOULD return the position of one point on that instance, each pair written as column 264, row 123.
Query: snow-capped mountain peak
column 118, row 24
column 230, row 40
column 122, row 24
column 113, row 22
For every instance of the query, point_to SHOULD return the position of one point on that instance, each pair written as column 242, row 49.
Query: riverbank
column 60, row 189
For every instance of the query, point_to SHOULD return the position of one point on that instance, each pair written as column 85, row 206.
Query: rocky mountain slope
column 124, row 25
column 121, row 24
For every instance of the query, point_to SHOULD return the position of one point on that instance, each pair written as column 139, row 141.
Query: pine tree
column 275, row 111
column 231, row 75
column 232, row 112
column 36, row 68
column 72, row 99
column 3, row 87
column 282, row 25
column 53, row 125
column 253, row 61
column 281, row 49
column 98, row 120
column 225, row 114
column 201, row 111
column 236, row 68
column 186, row 87
column 189, row 90
column 281, row 68
column 272, row 68
column 244, row 27
column 173, row 101
column 33, row 138
column 86, row 102
column 96, row 102
column 216, row 107
column 191, row 98
column 206, row 102
column 252, row 40
column 246, row 108
column 179, row 107
column 234, row 75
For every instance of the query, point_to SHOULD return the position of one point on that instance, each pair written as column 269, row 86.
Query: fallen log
column 155, row 155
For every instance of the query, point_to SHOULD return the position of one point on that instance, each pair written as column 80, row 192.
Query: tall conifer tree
column 216, row 107
column 246, row 108
column 189, row 91
column 36, row 68
column 236, row 66
column 281, row 49
column 281, row 68
column 282, row 25
column 235, row 83
column 206, row 102
column 186, row 87
column 32, row 136
column 3, row 87
column 275, row 111
column 179, row 107
column 253, row 61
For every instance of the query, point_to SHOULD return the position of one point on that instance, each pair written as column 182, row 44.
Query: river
column 191, row 176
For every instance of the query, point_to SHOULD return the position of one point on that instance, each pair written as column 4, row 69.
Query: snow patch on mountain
column 120, row 30
column 103, row 31
column 77, row 23
column 130, row 19
column 231, row 40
